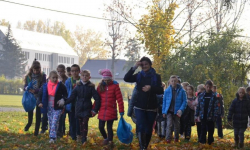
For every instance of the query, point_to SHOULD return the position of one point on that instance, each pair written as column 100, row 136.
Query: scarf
column 52, row 88
column 151, row 73
column 35, row 78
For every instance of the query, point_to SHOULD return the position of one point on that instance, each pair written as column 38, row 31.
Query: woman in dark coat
column 148, row 84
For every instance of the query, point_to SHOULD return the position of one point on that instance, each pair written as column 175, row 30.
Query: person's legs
column 84, row 128
column 236, row 136
column 44, row 122
column 30, row 120
column 38, row 120
column 176, row 127
column 102, row 130
column 203, row 134
column 72, row 125
column 110, row 130
column 210, row 128
column 150, row 119
column 241, row 136
column 219, row 126
column 50, row 118
column 141, row 126
column 169, row 126
column 198, row 125
column 188, row 131
column 55, row 122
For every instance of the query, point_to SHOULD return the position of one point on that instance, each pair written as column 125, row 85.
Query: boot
column 241, row 145
column 142, row 140
column 148, row 138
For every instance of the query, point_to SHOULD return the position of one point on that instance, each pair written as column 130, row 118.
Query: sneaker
column 111, row 145
column 168, row 141
column 105, row 142
column 182, row 136
column 36, row 133
column 176, row 140
column 51, row 141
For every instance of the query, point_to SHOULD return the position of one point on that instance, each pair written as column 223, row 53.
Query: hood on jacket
column 88, row 83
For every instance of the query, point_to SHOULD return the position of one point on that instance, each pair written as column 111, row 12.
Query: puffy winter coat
column 180, row 101
column 83, row 94
column 239, row 112
column 212, row 107
column 109, row 99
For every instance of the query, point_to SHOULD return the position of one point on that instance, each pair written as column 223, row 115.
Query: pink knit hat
column 106, row 73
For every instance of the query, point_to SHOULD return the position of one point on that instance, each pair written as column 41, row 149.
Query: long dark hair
column 37, row 66
column 102, row 85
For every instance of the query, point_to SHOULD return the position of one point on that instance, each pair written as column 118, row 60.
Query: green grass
column 12, row 135
column 11, row 101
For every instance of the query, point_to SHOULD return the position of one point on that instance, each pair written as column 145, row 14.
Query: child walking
column 70, row 85
column 39, row 78
column 207, row 111
column 61, row 70
column 83, row 92
column 50, row 96
column 200, row 89
column 110, row 94
column 238, row 113
column 174, row 104
column 188, row 115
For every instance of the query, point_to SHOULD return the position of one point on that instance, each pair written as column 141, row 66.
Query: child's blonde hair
column 173, row 77
column 242, row 88
column 185, row 84
column 85, row 71
column 201, row 87
column 53, row 72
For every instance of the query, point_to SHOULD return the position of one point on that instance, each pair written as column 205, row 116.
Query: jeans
column 207, row 126
column 198, row 125
column 145, row 121
column 62, row 127
column 219, row 126
column 172, row 119
column 109, row 128
column 74, row 125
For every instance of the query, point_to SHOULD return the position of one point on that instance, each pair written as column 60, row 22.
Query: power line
column 101, row 18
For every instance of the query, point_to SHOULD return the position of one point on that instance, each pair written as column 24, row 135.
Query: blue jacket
column 43, row 96
column 212, row 107
column 180, row 101
column 69, row 90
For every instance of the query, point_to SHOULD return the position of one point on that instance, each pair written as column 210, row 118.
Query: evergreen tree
column 12, row 60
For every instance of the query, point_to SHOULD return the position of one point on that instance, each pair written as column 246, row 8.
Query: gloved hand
column 61, row 102
column 93, row 113
column 122, row 113
column 179, row 113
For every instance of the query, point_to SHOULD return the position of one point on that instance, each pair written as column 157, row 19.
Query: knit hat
column 106, row 73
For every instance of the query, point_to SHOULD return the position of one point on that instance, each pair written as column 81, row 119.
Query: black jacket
column 83, row 94
column 239, row 112
column 61, row 93
column 145, row 100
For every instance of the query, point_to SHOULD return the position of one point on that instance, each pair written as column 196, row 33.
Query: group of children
column 179, row 108
column 60, row 94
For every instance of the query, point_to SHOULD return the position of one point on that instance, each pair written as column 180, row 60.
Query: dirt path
column 4, row 109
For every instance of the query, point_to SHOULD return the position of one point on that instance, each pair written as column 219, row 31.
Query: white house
column 49, row 50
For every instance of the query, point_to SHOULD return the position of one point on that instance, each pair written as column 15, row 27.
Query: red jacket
column 108, row 109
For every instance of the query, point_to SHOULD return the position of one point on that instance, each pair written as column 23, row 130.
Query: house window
column 72, row 61
column 36, row 56
column 64, row 60
column 68, row 60
column 48, row 58
column 40, row 56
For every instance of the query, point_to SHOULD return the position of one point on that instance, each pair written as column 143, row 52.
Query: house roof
column 40, row 41
column 95, row 65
